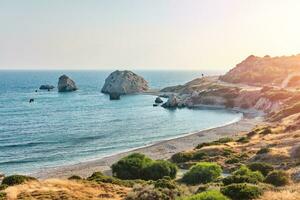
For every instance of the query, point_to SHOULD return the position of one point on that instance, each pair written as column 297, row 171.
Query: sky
column 145, row 34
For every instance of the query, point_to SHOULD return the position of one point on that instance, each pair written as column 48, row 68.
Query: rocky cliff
column 124, row 82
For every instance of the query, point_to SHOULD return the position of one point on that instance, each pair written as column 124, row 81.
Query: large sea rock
column 66, row 84
column 124, row 82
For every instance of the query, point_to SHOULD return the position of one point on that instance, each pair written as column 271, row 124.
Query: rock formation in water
column 124, row 82
column 46, row 87
column 173, row 102
column 158, row 100
column 65, row 84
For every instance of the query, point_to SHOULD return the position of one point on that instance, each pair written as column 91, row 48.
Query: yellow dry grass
column 57, row 189
column 291, row 192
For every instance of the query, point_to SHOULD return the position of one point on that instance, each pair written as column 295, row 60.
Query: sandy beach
column 160, row 150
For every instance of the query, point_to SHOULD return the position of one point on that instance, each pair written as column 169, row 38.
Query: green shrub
column 3, row 196
column 277, row 178
column 208, row 195
column 225, row 140
column 242, row 191
column 227, row 152
column 138, row 166
column 16, row 179
column 165, row 182
column 203, row 172
column 243, row 175
column 74, row 177
column 263, row 150
column 239, row 179
column 217, row 142
column 243, row 139
column 3, row 187
column 182, row 157
column 199, row 155
column 130, row 167
column 245, row 171
column 265, row 131
column 101, row 178
column 158, row 169
column 262, row 167
column 232, row 160
column 204, row 144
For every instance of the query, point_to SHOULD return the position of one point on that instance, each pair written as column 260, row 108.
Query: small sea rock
column 173, row 102
column 158, row 100
column 46, row 87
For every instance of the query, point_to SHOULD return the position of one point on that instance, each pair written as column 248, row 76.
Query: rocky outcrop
column 158, row 100
column 124, row 82
column 66, row 84
column 173, row 102
column 46, row 87
column 263, row 70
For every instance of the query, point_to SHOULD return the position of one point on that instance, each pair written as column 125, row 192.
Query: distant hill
column 264, row 70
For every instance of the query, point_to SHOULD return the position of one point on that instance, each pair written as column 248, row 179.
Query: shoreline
column 163, row 149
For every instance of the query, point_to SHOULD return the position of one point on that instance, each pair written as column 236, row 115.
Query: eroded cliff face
column 217, row 93
column 263, row 70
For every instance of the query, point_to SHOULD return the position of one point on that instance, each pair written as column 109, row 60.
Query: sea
column 60, row 129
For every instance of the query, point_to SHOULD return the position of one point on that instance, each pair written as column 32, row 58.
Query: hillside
column 263, row 70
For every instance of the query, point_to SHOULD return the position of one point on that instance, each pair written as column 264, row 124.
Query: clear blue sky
column 144, row 34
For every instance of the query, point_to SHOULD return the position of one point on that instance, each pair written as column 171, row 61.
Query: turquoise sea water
column 67, row 128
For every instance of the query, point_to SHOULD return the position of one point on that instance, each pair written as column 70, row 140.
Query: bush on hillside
column 243, row 170
column 242, row 191
column 243, row 139
column 227, row 152
column 159, row 169
column 203, row 172
column 277, row 178
column 217, row 142
column 208, row 195
column 265, row 131
column 232, row 160
column 149, row 192
column 74, row 177
column 138, row 166
column 16, row 179
column 3, row 196
column 182, row 157
column 101, row 178
column 130, row 167
column 199, row 155
column 165, row 182
column 3, row 187
column 263, row 150
column 243, row 175
column 262, row 167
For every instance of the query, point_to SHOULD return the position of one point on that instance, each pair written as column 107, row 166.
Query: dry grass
column 287, row 193
column 57, row 189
